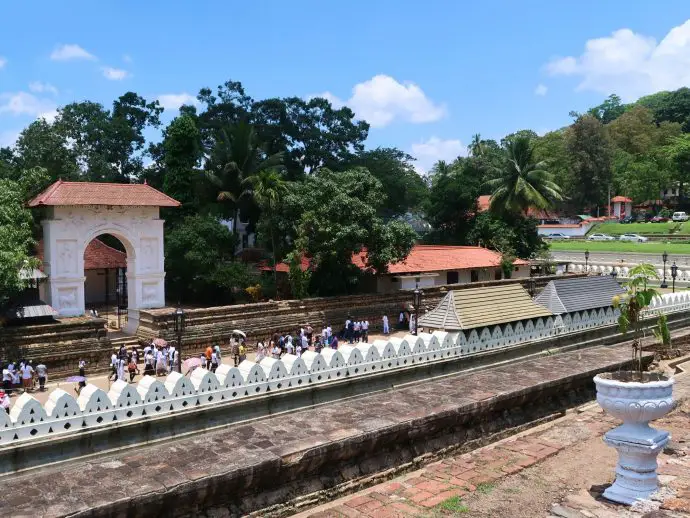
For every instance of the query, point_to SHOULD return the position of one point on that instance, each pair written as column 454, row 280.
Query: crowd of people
column 21, row 375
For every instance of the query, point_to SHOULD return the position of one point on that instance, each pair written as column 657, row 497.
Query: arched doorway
column 105, row 284
column 79, row 212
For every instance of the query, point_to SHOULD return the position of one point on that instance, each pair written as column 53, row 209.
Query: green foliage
column 405, row 190
column 515, row 235
column 609, row 110
column 337, row 216
column 589, row 150
column 16, row 240
column 522, row 183
column 662, row 332
column 299, row 279
column 199, row 255
column 453, row 199
column 453, row 504
column 657, row 247
column 181, row 155
column 637, row 298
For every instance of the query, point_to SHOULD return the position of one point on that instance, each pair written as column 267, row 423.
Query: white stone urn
column 635, row 398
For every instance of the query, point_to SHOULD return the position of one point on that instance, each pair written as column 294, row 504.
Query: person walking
column 358, row 331
column 243, row 351
column 42, row 373
column 235, row 351
column 113, row 367
column 365, row 331
column 214, row 361
column 386, row 329
column 7, row 380
column 27, row 376
column 5, row 401
column 275, row 352
column 132, row 368
column 121, row 363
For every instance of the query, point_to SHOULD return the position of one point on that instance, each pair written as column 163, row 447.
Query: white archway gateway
column 78, row 212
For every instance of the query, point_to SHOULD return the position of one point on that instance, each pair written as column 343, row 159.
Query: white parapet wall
column 29, row 420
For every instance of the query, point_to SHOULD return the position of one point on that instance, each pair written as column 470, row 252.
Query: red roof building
column 431, row 265
column 92, row 193
column 621, row 199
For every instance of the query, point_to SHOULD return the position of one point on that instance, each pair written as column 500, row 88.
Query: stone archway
column 70, row 225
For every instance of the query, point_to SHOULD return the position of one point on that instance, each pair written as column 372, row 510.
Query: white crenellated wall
column 64, row 413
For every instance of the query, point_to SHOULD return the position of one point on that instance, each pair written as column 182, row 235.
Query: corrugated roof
column 580, row 293
column 35, row 309
column 92, row 193
column 481, row 307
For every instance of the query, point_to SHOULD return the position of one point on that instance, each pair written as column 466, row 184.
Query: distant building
column 434, row 265
column 245, row 238
column 621, row 207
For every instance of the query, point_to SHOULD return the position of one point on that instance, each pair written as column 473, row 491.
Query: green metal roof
column 481, row 307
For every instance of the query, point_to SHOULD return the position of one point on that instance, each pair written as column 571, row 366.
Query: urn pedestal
column 638, row 444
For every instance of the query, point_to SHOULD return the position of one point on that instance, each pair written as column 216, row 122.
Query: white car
column 680, row 216
column 556, row 236
column 601, row 237
column 634, row 237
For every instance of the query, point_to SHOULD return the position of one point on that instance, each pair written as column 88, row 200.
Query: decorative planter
column 638, row 444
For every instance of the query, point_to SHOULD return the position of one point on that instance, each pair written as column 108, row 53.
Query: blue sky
column 428, row 75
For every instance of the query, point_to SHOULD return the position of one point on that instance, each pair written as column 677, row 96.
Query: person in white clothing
column 27, row 376
column 386, row 329
column 365, row 331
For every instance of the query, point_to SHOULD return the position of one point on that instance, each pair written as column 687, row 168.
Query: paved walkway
column 510, row 478
column 190, row 469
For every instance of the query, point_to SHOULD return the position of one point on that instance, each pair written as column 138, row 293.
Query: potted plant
column 635, row 397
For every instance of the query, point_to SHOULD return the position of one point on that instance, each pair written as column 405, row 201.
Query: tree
column 404, row 188
column 508, row 234
column 678, row 152
column 237, row 155
column 199, row 264
column 268, row 189
column 609, row 110
column 338, row 218
column 16, row 239
column 40, row 144
column 108, row 144
column 670, row 107
column 589, row 149
column 181, row 154
column 453, row 200
column 522, row 183
column 635, row 131
column 551, row 148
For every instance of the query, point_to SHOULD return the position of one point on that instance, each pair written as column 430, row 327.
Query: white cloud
column 430, row 151
column 40, row 87
column 69, row 52
column 114, row 74
column 3, row 62
column 630, row 64
column 24, row 103
column 541, row 90
column 174, row 101
column 382, row 100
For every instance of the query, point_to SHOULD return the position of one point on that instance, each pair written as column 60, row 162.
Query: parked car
column 659, row 219
column 631, row 219
column 556, row 236
column 680, row 216
column 634, row 237
column 600, row 237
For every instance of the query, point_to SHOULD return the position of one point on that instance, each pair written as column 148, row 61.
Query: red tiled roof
column 427, row 258
column 96, row 256
column 484, row 202
column 92, row 193
column 621, row 199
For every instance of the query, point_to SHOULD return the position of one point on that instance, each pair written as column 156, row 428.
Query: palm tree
column 236, row 156
column 268, row 189
column 522, row 183
column 476, row 147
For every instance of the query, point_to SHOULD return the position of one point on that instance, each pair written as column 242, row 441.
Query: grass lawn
column 622, row 246
column 616, row 229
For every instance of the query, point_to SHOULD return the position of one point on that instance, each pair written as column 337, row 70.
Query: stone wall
column 59, row 345
column 261, row 320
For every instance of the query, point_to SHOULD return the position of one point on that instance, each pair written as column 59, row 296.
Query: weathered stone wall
column 59, row 345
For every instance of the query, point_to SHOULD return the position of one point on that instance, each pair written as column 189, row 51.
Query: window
column 452, row 278
column 474, row 276
column 498, row 275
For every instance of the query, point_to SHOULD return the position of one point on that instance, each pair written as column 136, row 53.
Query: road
column 598, row 257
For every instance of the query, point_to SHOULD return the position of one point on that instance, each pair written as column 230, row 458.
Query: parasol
column 238, row 332
column 159, row 342
column 191, row 363
column 75, row 379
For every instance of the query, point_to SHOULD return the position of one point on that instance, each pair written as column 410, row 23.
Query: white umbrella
column 238, row 332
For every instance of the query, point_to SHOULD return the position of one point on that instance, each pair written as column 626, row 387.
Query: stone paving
column 448, row 487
